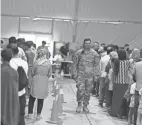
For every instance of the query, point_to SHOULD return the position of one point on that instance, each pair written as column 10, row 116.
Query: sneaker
column 85, row 109
column 79, row 107
column 101, row 105
column 38, row 117
column 29, row 116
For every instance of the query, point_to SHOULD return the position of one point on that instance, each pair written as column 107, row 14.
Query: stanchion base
column 64, row 102
column 62, row 115
column 52, row 122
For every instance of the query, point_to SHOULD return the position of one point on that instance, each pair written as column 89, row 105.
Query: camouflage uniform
column 84, row 67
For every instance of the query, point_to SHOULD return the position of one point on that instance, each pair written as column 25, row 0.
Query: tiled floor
column 97, row 115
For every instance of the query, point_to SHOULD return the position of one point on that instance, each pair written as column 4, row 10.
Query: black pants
column 95, row 90
column 31, row 105
column 65, row 67
column 124, row 108
column 110, row 95
column 22, row 101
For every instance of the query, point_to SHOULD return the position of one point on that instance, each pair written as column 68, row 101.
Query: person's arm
column 134, row 74
column 34, row 69
column 75, row 65
column 50, row 72
column 96, row 66
column 26, row 68
column 107, row 68
column 23, row 54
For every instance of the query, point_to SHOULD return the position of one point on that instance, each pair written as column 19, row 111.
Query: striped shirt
column 123, row 75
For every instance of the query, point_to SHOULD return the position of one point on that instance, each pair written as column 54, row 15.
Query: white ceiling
column 125, row 10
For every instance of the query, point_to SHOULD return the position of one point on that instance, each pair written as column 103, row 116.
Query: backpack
column 23, row 80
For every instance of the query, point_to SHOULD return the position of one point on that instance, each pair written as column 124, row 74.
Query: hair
column 6, row 54
column 87, row 39
column 34, row 45
column 96, row 42
column 122, row 54
column 12, row 40
column 29, row 44
column 105, row 48
column 2, row 42
column 115, row 47
column 43, row 42
column 116, row 63
column 126, row 45
column 14, row 49
column 134, row 78
column 109, row 50
column 103, row 44
column 141, row 53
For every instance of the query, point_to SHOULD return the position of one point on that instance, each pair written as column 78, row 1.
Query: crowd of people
column 114, row 75
column 24, row 74
column 109, row 72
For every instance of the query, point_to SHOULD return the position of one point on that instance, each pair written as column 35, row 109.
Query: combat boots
column 85, row 109
column 79, row 107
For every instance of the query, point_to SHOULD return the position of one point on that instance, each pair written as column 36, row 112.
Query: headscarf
column 42, row 57
column 135, row 54
column 114, row 55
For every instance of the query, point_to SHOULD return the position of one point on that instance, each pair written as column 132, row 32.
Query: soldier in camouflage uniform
column 85, row 61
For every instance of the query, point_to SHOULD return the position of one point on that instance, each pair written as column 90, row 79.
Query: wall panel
column 43, row 26
column 62, row 31
column 9, row 26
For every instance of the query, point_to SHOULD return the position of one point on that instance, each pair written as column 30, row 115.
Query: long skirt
column 118, row 93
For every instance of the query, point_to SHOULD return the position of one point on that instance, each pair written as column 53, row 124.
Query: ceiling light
column 40, row 18
column 115, row 23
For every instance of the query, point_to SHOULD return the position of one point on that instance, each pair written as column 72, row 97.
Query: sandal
column 29, row 116
column 38, row 117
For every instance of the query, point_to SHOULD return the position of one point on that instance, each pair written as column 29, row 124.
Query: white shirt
column 14, row 63
column 133, row 88
column 103, row 63
column 21, row 54
column 58, row 57
column 140, row 91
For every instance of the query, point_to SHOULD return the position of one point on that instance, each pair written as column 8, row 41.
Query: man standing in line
column 103, row 63
column 95, row 90
column 44, row 47
column 21, row 53
column 85, row 61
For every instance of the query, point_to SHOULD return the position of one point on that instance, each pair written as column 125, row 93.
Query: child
column 139, row 117
column 133, row 110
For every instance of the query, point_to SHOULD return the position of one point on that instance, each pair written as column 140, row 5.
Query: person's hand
column 140, row 91
column 74, row 77
column 96, row 78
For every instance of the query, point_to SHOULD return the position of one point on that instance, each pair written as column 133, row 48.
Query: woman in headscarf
column 9, row 91
column 109, row 70
column 41, row 72
column 121, row 67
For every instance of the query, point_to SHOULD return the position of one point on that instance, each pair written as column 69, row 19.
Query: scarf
column 43, row 61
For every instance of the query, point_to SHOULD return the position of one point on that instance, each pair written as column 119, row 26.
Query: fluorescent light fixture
column 67, row 20
column 115, row 22
column 85, row 21
column 40, row 18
